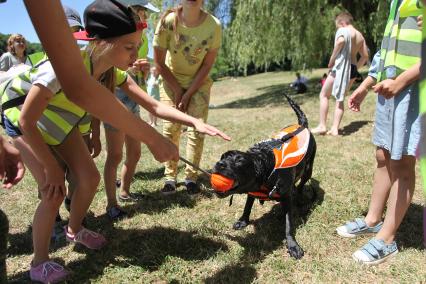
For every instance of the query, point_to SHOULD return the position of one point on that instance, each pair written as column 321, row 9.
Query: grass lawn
column 178, row 239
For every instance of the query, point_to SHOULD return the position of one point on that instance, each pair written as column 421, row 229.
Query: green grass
column 179, row 239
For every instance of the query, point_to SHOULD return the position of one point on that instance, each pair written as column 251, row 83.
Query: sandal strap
column 374, row 249
column 357, row 225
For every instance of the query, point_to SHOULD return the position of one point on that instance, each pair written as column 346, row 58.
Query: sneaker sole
column 349, row 235
column 375, row 262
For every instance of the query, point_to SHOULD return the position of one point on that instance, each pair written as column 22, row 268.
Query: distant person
column 323, row 79
column 300, row 85
column 16, row 53
column 154, row 91
column 348, row 43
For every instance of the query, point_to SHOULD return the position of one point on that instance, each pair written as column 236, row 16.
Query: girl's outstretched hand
column 163, row 149
column 210, row 130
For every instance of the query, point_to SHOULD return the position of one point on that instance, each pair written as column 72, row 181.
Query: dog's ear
column 229, row 154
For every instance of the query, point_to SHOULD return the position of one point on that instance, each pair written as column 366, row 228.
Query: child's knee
column 382, row 157
column 133, row 156
column 114, row 157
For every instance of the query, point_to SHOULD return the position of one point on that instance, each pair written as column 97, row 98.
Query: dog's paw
column 295, row 251
column 240, row 224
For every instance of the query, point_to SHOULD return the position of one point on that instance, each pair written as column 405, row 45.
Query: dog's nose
column 220, row 165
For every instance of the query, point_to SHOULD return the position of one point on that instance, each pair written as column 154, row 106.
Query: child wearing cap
column 116, row 138
column 186, row 43
column 40, row 119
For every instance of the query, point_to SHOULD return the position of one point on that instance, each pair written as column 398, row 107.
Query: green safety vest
column 401, row 44
column 85, row 124
column 37, row 57
column 422, row 92
column 60, row 116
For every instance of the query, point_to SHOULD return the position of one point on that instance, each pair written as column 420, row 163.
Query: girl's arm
column 166, row 112
column 392, row 87
column 34, row 105
column 80, row 87
column 199, row 78
column 168, row 77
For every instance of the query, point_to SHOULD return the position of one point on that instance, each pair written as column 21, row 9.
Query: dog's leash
column 192, row 165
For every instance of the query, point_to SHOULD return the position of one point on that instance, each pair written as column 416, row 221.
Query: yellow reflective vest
column 60, row 116
column 401, row 44
column 422, row 92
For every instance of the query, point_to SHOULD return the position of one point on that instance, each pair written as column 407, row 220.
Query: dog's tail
column 301, row 117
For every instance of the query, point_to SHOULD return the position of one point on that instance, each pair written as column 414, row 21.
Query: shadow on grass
column 268, row 236
column 272, row 95
column 410, row 233
column 147, row 249
column 353, row 127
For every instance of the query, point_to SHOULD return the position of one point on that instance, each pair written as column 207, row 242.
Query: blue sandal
column 375, row 251
column 356, row 228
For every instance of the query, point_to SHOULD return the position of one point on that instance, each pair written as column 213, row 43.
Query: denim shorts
column 10, row 129
column 397, row 123
column 128, row 103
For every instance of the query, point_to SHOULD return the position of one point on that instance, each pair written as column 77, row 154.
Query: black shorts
column 354, row 72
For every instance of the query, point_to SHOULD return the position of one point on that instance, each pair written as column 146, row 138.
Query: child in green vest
column 47, row 119
column 396, row 134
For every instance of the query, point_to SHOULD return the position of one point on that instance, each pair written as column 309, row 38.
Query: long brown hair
column 175, row 21
column 95, row 50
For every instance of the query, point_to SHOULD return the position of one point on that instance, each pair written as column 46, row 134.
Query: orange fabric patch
column 291, row 152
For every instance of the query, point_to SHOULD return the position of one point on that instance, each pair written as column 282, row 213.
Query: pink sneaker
column 48, row 272
column 88, row 238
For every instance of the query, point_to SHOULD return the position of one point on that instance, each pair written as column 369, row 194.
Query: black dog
column 270, row 170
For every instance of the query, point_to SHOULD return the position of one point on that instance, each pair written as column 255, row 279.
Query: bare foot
column 319, row 130
column 333, row 132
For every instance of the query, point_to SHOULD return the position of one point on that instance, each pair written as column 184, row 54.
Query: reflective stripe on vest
column 85, row 124
column 56, row 121
column 422, row 88
column 401, row 44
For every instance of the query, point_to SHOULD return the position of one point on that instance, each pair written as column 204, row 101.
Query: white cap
column 143, row 3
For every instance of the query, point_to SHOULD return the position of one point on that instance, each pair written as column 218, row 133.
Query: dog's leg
column 286, row 185
column 244, row 219
column 293, row 247
column 306, row 177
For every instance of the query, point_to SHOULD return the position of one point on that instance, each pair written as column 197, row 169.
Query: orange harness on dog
column 287, row 155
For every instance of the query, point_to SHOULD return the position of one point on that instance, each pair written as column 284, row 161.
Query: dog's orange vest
column 287, row 155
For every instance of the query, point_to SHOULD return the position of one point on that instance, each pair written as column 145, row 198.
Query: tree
column 267, row 32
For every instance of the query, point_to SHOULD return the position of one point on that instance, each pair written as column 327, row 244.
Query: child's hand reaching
column 357, row 97
column 205, row 128
column 163, row 149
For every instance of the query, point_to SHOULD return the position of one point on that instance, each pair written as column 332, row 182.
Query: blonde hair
column 96, row 49
column 11, row 40
column 175, row 21
column 344, row 17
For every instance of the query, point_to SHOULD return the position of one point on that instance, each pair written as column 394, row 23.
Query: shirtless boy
column 344, row 65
